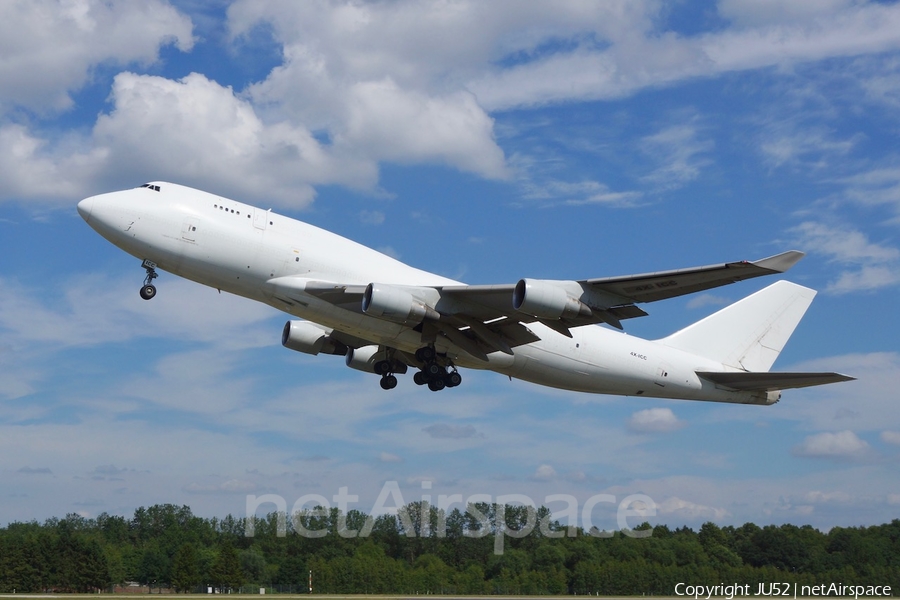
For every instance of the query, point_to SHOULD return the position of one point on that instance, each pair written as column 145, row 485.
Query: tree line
column 424, row 550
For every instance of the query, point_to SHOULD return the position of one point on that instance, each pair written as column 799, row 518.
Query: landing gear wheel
column 453, row 379
column 148, row 291
column 426, row 354
column 419, row 378
column 436, row 385
column 388, row 382
column 383, row 367
column 433, row 370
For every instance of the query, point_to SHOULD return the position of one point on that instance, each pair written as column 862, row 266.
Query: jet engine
column 547, row 300
column 365, row 358
column 395, row 304
column 303, row 336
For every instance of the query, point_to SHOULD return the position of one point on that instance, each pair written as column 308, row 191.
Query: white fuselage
column 239, row 248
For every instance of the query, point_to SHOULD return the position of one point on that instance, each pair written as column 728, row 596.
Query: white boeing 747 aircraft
column 385, row 316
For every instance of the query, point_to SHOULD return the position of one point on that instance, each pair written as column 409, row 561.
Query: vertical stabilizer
column 750, row 333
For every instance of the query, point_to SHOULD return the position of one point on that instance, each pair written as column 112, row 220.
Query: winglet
column 780, row 262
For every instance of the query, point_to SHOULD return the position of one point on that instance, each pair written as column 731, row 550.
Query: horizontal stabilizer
column 766, row 382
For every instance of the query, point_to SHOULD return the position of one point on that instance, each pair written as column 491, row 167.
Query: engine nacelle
column 395, row 305
column 364, row 359
column 303, row 336
column 547, row 300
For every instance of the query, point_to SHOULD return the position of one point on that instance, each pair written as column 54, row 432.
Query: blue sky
column 483, row 141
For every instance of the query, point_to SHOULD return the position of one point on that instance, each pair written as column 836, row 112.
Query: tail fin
column 750, row 333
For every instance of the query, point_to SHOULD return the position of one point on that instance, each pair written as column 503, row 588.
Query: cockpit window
column 155, row 188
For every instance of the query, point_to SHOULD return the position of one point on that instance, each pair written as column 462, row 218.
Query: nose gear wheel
column 148, row 290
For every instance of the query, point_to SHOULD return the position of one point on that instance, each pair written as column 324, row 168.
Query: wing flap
column 766, row 382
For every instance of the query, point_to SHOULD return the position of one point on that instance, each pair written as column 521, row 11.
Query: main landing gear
column 148, row 290
column 435, row 375
column 385, row 368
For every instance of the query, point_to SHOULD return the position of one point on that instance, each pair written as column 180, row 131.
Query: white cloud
column 839, row 445
column 387, row 457
column 681, row 154
column 703, row 300
column 784, row 144
column 197, row 130
column 544, row 473
column 792, row 38
column 685, row 509
column 842, row 244
column 191, row 130
column 654, row 420
column 869, row 401
column 50, row 48
column 765, row 12
column 874, row 187
column 371, row 217
column 873, row 265
column 638, row 57
column 883, row 87
column 385, row 122
column 820, row 497
column 891, row 437
column 371, row 83
column 575, row 193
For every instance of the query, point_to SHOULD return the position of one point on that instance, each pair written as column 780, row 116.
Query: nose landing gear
column 148, row 290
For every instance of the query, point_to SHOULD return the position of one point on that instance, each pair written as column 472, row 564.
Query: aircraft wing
column 481, row 319
column 651, row 287
column 767, row 382
column 612, row 299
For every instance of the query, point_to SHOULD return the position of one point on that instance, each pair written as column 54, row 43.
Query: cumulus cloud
column 198, row 130
column 843, row 445
column 544, row 473
column 364, row 84
column 654, row 420
column 50, row 48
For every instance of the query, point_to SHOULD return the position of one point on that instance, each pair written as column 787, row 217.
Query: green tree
column 225, row 572
column 186, row 568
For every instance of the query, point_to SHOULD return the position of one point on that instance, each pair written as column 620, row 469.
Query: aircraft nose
column 85, row 207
